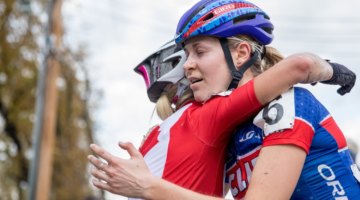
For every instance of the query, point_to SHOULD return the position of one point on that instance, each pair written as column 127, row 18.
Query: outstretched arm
column 301, row 68
column 132, row 177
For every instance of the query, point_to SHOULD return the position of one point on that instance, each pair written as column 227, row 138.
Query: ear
column 242, row 54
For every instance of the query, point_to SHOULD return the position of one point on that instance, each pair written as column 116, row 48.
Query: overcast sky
column 118, row 34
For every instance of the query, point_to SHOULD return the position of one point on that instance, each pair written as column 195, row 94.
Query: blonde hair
column 165, row 106
column 271, row 57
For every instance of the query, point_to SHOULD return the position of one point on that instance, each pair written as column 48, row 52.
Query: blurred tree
column 21, row 37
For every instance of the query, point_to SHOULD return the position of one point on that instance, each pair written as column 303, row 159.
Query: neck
column 248, row 75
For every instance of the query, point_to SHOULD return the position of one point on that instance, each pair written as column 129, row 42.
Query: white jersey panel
column 156, row 157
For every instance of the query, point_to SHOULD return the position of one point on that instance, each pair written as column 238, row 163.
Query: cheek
column 214, row 67
column 223, row 81
column 216, row 73
column 220, row 76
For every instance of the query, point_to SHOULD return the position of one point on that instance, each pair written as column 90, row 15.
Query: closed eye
column 200, row 52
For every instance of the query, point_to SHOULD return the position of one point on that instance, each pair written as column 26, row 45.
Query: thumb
column 130, row 148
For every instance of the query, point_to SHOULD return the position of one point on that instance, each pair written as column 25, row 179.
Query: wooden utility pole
column 46, row 108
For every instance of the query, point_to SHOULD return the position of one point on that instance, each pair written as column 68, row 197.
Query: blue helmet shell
column 225, row 18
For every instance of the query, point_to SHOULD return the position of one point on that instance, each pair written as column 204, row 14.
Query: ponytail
column 165, row 105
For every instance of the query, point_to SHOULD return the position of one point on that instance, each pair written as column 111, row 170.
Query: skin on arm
column 276, row 172
column 164, row 190
column 298, row 68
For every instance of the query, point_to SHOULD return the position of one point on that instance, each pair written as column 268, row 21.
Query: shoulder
column 304, row 95
column 308, row 107
column 297, row 103
column 278, row 114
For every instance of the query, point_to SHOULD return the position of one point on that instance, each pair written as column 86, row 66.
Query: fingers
column 100, row 175
column 101, row 185
column 102, row 153
column 100, row 169
column 129, row 147
column 345, row 89
column 341, row 91
column 98, row 163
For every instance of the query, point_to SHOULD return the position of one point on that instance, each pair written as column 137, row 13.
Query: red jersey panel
column 188, row 148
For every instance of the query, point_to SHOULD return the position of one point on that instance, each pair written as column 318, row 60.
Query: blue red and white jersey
column 189, row 147
column 296, row 118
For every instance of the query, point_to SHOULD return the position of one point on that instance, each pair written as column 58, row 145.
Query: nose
column 189, row 65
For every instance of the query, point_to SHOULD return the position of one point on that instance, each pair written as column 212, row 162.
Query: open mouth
column 195, row 80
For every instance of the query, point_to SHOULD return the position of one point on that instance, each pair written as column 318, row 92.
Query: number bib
column 278, row 114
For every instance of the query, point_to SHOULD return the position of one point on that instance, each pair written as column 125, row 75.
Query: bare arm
column 164, row 190
column 298, row 68
column 132, row 178
column 279, row 167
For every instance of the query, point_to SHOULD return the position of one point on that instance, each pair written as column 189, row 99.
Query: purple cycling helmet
column 162, row 67
column 226, row 18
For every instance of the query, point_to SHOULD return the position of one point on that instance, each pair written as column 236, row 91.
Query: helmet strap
column 236, row 74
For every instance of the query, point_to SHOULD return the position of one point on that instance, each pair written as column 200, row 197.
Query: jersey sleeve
column 222, row 114
column 305, row 112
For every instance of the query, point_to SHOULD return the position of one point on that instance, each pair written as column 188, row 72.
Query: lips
column 194, row 80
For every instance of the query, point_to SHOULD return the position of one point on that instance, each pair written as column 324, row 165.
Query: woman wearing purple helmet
column 196, row 137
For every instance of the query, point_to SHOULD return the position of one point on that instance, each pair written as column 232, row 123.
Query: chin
column 198, row 99
column 201, row 98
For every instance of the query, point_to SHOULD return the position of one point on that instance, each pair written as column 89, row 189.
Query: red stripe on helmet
column 215, row 13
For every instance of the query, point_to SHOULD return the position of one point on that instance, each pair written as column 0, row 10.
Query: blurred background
column 82, row 59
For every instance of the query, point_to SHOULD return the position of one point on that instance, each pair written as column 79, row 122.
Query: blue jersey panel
column 328, row 172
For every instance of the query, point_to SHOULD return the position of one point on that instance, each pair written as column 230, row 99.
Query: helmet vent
column 175, row 62
column 244, row 18
column 268, row 30
column 209, row 16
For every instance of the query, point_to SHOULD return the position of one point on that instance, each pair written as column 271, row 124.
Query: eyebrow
column 193, row 45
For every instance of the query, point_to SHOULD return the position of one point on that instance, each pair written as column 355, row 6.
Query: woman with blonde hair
column 189, row 147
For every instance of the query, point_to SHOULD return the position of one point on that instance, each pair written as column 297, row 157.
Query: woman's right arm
column 164, row 190
column 298, row 68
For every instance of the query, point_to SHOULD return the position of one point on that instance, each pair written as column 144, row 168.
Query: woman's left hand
column 341, row 76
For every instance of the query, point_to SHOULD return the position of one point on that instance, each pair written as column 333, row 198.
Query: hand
column 120, row 176
column 341, row 76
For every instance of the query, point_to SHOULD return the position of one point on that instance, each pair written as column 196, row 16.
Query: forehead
column 205, row 40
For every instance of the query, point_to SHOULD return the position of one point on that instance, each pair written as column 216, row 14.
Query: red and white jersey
column 189, row 147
